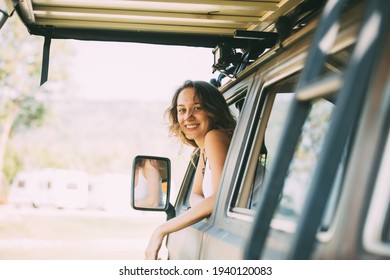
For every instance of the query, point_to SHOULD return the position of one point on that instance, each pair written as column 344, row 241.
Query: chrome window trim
column 379, row 204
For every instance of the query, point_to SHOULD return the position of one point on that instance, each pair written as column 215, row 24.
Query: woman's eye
column 197, row 108
column 181, row 111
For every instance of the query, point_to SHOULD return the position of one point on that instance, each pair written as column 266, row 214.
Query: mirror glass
column 150, row 183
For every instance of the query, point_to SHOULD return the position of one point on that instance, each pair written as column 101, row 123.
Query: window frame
column 378, row 215
column 260, row 113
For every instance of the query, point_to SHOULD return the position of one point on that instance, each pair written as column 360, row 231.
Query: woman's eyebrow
column 182, row 105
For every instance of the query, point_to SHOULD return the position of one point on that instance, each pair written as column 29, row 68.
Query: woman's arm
column 216, row 146
column 197, row 191
column 193, row 215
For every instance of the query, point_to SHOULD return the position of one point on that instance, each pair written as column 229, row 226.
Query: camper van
column 23, row 187
column 50, row 187
column 33, row 188
column 110, row 192
column 71, row 188
column 306, row 175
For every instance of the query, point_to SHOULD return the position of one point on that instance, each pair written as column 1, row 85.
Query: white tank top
column 140, row 191
column 207, row 186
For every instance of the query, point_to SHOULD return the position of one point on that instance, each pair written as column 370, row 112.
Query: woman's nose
column 189, row 113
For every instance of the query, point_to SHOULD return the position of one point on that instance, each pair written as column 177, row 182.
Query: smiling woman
column 195, row 120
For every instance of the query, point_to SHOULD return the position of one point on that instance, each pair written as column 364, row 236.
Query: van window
column 235, row 107
column 303, row 163
column 268, row 125
column 269, row 143
column 296, row 183
column 236, row 98
column 21, row 184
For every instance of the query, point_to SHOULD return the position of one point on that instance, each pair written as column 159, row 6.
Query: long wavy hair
column 212, row 102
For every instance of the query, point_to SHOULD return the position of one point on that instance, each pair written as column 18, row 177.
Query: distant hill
column 99, row 136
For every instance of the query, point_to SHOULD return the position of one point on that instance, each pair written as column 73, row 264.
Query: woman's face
column 193, row 119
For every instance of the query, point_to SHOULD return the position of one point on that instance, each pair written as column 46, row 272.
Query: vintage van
column 305, row 173
column 306, row 176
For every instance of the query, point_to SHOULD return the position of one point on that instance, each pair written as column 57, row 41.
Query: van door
column 253, row 148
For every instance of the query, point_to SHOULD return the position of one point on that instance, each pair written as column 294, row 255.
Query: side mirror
column 151, row 184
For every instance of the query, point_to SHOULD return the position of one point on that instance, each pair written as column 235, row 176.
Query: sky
column 117, row 71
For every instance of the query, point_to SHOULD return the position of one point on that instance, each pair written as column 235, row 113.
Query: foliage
column 31, row 114
column 19, row 60
column 22, row 99
column 12, row 164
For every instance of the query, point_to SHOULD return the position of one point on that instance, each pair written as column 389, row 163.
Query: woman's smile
column 191, row 126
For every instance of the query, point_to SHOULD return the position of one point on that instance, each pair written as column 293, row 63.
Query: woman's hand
column 154, row 245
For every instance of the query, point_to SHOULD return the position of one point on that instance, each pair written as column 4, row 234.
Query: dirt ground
column 61, row 234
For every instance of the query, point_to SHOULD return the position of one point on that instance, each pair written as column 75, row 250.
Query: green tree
column 22, row 99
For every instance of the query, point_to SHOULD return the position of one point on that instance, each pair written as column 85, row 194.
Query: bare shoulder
column 217, row 136
column 216, row 147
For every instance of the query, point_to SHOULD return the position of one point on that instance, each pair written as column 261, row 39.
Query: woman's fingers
column 151, row 252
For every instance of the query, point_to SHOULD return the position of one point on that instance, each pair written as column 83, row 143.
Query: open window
column 297, row 181
column 267, row 126
column 235, row 100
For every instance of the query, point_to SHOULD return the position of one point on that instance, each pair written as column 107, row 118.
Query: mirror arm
column 171, row 213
